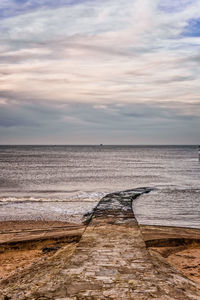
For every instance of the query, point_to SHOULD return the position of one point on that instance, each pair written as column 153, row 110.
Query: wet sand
column 16, row 231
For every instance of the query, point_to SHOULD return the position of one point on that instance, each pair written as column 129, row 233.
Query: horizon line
column 99, row 145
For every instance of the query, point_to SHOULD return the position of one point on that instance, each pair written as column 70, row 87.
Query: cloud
column 10, row 8
column 106, row 64
column 83, row 123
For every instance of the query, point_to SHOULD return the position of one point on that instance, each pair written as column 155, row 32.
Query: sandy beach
column 110, row 254
column 24, row 243
column 178, row 246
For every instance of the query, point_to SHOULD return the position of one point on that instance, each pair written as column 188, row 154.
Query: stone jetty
column 110, row 261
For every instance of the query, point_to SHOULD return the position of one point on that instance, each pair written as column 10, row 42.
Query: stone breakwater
column 110, row 261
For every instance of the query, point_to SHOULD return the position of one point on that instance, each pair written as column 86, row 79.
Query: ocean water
column 65, row 182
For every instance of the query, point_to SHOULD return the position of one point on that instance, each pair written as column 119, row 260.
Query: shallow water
column 36, row 180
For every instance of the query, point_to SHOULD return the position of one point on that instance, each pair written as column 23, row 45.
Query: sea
column 66, row 182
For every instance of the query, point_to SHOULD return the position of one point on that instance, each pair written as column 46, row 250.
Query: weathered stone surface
column 110, row 262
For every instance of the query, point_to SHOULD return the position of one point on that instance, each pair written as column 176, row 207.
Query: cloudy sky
column 99, row 71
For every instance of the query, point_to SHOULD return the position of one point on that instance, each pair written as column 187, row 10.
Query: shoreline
column 33, row 249
column 22, row 244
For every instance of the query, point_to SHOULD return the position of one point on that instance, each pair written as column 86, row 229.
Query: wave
column 80, row 196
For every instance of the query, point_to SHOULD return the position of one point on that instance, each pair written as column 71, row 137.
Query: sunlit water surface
column 64, row 182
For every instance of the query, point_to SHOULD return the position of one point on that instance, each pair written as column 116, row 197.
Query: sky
column 99, row 71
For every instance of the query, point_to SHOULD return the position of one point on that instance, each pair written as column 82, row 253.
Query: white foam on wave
column 80, row 196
